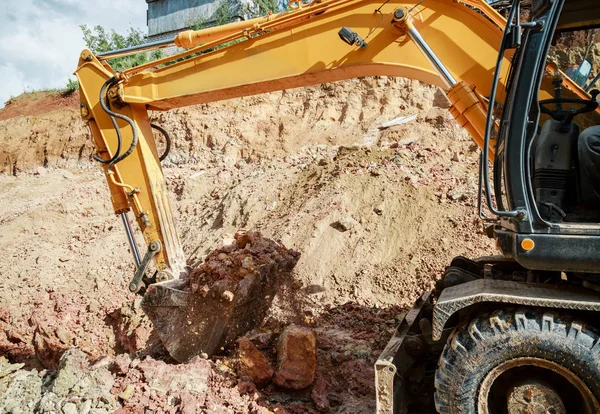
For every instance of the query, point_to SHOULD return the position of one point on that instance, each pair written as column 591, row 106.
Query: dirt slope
column 376, row 215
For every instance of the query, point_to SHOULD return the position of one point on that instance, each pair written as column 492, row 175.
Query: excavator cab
column 518, row 332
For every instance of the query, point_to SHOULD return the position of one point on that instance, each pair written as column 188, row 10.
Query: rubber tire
column 477, row 347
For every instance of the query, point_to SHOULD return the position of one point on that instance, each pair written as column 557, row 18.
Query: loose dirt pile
column 247, row 253
column 375, row 213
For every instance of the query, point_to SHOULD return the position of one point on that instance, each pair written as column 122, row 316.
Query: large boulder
column 296, row 358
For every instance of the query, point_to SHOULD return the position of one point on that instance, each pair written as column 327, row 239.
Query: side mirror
column 581, row 75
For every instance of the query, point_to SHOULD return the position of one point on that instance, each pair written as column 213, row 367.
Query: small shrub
column 72, row 86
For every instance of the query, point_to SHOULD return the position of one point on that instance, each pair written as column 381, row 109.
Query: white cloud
column 40, row 40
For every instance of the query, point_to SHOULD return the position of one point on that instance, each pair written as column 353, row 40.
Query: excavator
column 514, row 332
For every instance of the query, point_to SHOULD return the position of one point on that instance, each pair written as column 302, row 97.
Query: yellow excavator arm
column 448, row 43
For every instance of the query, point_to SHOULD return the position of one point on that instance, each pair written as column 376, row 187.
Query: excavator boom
column 288, row 50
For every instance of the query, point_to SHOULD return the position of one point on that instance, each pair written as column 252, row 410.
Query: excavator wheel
column 520, row 361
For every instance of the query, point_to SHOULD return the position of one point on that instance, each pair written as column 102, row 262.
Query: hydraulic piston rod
column 402, row 17
column 466, row 105
column 131, row 239
column 433, row 59
column 146, row 47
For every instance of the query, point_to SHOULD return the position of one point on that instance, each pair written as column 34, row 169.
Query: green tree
column 263, row 7
column 223, row 15
column 99, row 40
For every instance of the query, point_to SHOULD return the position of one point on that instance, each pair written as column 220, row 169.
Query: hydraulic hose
column 119, row 139
column 167, row 140
column 105, row 106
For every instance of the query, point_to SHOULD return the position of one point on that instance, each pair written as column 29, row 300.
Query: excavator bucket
column 227, row 296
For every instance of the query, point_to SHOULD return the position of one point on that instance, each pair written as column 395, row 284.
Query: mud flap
column 396, row 364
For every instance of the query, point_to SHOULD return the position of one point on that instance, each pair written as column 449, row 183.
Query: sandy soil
column 293, row 165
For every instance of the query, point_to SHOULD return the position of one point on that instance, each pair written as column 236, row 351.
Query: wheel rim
column 532, row 386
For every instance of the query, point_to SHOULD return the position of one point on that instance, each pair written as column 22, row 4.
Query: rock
column 121, row 364
column 346, row 223
column 456, row 194
column 440, row 100
column 242, row 289
column 14, row 337
column 7, row 368
column 296, row 358
column 253, row 363
column 243, row 238
column 248, row 263
column 75, row 379
column 246, row 387
column 228, row 296
column 100, row 362
column 127, row 392
column 69, row 408
column 20, row 391
column 261, row 339
column 319, row 395
column 133, row 328
column 378, row 209
column 204, row 290
column 85, row 407
column 162, row 377
column 48, row 347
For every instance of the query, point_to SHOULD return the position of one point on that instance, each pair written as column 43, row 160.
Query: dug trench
column 374, row 213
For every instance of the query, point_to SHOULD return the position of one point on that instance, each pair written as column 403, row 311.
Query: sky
column 40, row 40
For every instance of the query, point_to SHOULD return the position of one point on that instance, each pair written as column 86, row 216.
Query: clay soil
column 375, row 214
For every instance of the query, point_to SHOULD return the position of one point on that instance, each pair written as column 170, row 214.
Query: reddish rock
column 296, row 358
column 190, row 403
column 319, row 395
column 132, row 328
column 4, row 315
column 14, row 336
column 262, row 339
column 246, row 387
column 48, row 347
column 254, row 408
column 253, row 363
